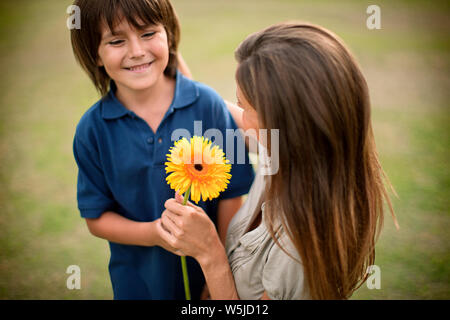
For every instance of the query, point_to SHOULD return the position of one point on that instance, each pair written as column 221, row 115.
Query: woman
column 309, row 230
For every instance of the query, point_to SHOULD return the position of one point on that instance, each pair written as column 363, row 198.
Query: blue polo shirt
column 121, row 169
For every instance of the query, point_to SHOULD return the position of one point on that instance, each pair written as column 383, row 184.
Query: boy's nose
column 135, row 49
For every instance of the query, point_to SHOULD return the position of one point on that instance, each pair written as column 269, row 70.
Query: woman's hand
column 189, row 230
column 205, row 293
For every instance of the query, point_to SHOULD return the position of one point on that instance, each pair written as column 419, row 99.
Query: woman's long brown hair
column 329, row 191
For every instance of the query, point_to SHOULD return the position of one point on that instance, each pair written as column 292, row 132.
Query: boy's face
column 134, row 59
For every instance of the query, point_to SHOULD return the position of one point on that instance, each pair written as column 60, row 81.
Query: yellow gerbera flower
column 197, row 165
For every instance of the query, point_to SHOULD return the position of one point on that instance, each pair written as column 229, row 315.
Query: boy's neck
column 148, row 99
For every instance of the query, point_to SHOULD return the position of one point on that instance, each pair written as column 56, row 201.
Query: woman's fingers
column 171, row 222
column 178, row 208
column 179, row 198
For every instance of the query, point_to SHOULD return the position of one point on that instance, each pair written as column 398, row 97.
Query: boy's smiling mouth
column 139, row 68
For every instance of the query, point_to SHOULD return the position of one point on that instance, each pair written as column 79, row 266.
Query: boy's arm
column 95, row 199
column 116, row 228
column 227, row 208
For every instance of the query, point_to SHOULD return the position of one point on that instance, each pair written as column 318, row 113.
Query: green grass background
column 44, row 93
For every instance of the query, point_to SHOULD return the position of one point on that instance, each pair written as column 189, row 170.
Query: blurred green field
column 44, row 93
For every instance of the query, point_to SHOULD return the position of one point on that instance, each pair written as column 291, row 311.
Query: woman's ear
column 99, row 62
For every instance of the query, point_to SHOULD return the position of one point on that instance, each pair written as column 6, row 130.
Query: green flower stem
column 186, row 195
column 187, row 290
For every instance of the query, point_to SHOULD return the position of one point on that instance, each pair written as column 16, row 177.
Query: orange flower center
column 198, row 167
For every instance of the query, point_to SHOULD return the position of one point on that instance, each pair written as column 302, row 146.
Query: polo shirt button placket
column 150, row 140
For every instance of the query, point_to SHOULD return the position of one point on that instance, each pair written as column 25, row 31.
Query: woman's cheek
column 250, row 120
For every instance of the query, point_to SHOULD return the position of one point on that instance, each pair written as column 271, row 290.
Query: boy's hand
column 159, row 228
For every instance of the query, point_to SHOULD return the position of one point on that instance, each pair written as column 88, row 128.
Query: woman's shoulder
column 281, row 246
column 283, row 277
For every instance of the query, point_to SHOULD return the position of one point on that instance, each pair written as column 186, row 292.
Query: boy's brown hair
column 85, row 41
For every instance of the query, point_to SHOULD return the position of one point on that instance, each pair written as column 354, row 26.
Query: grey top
column 257, row 262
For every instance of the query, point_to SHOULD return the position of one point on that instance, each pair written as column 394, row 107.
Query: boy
column 121, row 142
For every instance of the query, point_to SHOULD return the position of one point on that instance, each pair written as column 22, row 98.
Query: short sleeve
column 242, row 173
column 283, row 277
column 93, row 194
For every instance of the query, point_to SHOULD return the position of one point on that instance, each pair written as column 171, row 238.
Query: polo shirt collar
column 186, row 92
column 112, row 108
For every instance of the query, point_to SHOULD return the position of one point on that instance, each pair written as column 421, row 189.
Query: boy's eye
column 148, row 34
column 115, row 42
